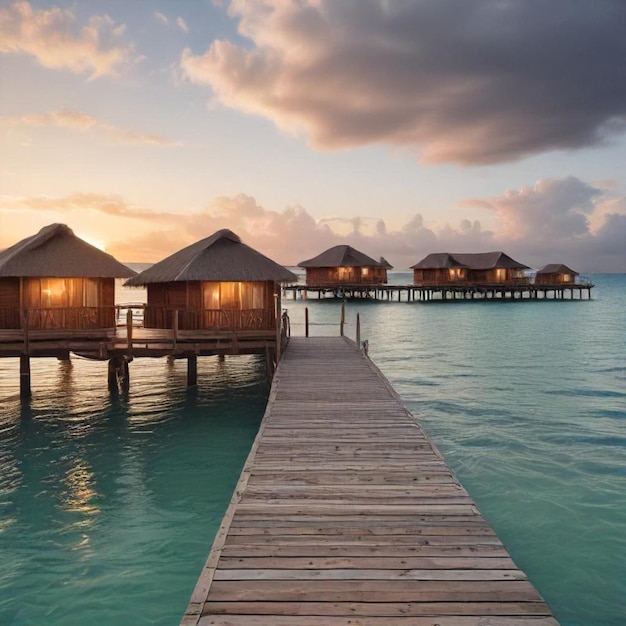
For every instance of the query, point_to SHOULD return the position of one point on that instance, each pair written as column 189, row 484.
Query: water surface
column 109, row 504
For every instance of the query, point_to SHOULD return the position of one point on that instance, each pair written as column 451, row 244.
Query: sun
column 97, row 243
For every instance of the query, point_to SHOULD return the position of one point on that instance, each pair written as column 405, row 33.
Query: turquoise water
column 108, row 505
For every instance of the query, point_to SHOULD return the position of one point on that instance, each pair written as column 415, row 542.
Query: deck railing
column 209, row 319
column 86, row 318
column 55, row 318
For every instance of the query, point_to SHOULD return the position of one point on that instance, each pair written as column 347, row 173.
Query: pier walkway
column 346, row 514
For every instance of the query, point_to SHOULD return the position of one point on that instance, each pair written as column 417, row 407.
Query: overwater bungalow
column 55, row 280
column 344, row 266
column 555, row 274
column 483, row 268
column 218, row 283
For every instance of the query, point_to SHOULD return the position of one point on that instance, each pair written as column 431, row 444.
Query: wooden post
column 129, row 329
column 25, row 391
column 279, row 321
column 25, row 329
column 175, row 326
column 306, row 321
column 118, row 377
column 124, row 374
column 358, row 330
column 192, row 370
column 112, row 374
column 343, row 318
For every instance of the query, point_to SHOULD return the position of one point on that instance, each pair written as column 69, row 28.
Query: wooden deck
column 346, row 514
column 142, row 342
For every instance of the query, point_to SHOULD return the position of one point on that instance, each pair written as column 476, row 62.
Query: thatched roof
column 222, row 256
column 437, row 261
column 557, row 268
column 341, row 256
column 473, row 261
column 56, row 252
column 383, row 261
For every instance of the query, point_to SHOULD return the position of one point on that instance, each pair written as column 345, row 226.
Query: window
column 211, row 296
column 53, row 293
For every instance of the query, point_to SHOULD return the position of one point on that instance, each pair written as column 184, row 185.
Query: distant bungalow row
column 343, row 271
column 56, row 280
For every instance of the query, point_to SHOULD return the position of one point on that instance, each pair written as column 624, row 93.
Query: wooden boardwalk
column 346, row 514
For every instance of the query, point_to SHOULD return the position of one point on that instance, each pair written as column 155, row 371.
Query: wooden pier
column 443, row 292
column 346, row 514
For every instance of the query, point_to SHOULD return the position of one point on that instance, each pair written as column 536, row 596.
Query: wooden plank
column 328, row 620
column 487, row 537
column 335, row 573
column 371, row 563
column 382, row 609
column 350, row 551
column 372, row 591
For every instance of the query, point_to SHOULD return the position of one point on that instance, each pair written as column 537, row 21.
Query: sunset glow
column 383, row 125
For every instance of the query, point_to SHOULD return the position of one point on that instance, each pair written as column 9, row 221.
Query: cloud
column 554, row 221
column 180, row 21
column 292, row 235
column 103, row 204
column 552, row 208
column 77, row 120
column 561, row 220
column 55, row 39
column 466, row 81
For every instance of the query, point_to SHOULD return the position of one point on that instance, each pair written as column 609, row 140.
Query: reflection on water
column 79, row 495
column 109, row 502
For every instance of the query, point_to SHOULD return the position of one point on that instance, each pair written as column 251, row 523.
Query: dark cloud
column 466, row 81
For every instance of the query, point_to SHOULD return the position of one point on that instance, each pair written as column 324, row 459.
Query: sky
column 400, row 127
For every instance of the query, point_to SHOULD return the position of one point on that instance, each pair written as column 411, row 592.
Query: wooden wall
column 9, row 302
column 439, row 276
column 555, row 279
column 462, row 276
column 64, row 303
column 346, row 275
column 218, row 305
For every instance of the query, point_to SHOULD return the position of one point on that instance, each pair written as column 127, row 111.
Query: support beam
column 118, row 375
column 25, row 391
column 192, row 370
